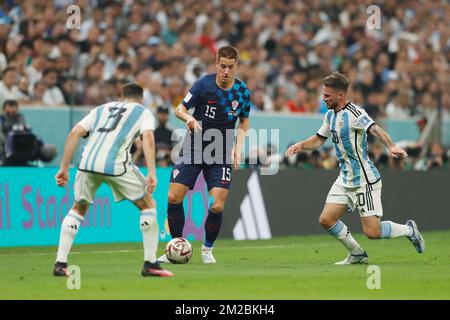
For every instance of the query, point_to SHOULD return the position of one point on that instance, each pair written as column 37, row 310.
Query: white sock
column 343, row 234
column 69, row 229
column 391, row 230
column 149, row 230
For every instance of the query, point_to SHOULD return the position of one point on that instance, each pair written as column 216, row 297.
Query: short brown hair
column 228, row 52
column 337, row 81
column 132, row 90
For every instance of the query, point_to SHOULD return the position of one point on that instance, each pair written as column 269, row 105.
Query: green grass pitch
column 280, row 268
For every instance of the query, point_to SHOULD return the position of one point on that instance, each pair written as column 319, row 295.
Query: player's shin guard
column 149, row 230
column 390, row 230
column 69, row 229
column 343, row 234
column 175, row 217
column 212, row 227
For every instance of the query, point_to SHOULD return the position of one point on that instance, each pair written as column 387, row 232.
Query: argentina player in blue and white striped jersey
column 348, row 129
column 112, row 128
column 359, row 182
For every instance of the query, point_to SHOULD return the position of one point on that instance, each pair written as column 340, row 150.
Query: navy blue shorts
column 216, row 175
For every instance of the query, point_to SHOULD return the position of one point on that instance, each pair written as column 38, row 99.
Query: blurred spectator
column 165, row 140
column 436, row 157
column 11, row 116
column 34, row 70
column 37, row 96
column 71, row 94
column 427, row 105
column 53, row 95
column 379, row 156
column 399, row 107
column 8, row 86
column 329, row 161
column 163, row 133
column 298, row 103
column 24, row 88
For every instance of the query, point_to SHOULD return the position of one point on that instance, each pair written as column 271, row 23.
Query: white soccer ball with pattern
column 179, row 250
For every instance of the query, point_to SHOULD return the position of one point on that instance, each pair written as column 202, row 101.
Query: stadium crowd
column 399, row 71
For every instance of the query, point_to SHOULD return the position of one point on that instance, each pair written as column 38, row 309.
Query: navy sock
column 175, row 217
column 212, row 227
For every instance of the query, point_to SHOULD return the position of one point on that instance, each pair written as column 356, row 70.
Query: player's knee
column 326, row 222
column 80, row 207
column 145, row 203
column 372, row 233
column 216, row 207
column 174, row 198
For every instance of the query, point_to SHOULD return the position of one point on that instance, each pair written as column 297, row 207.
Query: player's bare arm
column 311, row 143
column 242, row 129
column 191, row 123
column 387, row 141
column 62, row 177
column 148, row 147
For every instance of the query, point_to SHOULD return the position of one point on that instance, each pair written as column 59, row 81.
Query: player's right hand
column 193, row 125
column 294, row 149
column 151, row 182
column 62, row 177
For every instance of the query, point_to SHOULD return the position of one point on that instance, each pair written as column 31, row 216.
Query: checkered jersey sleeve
column 247, row 104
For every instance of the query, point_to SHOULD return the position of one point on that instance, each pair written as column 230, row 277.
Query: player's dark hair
column 132, row 90
column 228, row 52
column 337, row 81
column 10, row 102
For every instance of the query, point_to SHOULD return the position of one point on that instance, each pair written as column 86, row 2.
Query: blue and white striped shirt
column 113, row 127
column 348, row 128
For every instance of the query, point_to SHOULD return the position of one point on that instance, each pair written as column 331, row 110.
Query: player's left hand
column 62, row 177
column 151, row 182
column 236, row 159
column 397, row 152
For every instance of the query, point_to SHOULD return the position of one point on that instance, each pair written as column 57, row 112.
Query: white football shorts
column 367, row 198
column 131, row 185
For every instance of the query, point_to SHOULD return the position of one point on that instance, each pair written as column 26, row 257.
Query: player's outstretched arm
column 62, row 177
column 148, row 147
column 191, row 124
column 244, row 124
column 311, row 143
column 387, row 141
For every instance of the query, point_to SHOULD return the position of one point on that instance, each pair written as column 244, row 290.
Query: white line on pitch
column 134, row 251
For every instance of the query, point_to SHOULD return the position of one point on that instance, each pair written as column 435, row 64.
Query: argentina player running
column 106, row 158
column 219, row 100
column 359, row 183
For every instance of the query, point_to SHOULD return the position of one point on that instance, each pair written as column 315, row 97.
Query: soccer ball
column 179, row 250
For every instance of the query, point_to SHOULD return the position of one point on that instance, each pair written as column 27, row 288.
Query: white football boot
column 416, row 238
column 354, row 259
column 163, row 259
column 207, row 255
